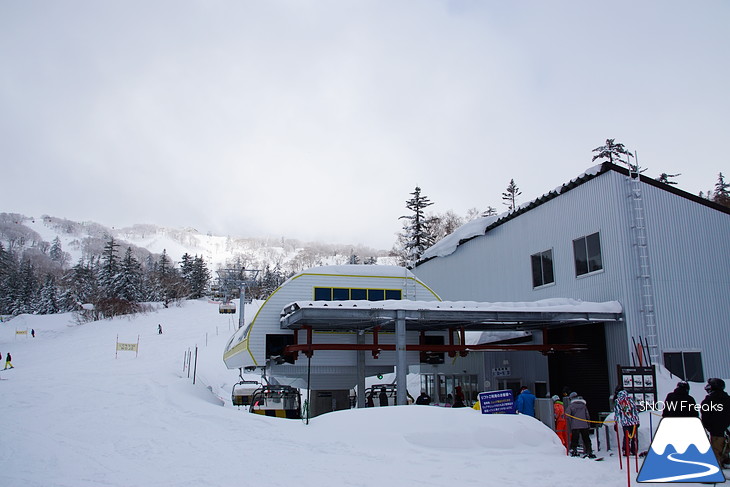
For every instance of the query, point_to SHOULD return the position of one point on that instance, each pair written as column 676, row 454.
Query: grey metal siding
column 690, row 257
column 689, row 248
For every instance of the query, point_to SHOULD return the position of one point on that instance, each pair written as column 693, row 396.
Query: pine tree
column 199, row 278
column 416, row 236
column 128, row 284
column 490, row 211
column 48, row 296
column 56, row 253
column 81, row 284
column 664, row 178
column 616, row 153
column 270, row 280
column 8, row 273
column 510, row 195
column 186, row 267
column 721, row 194
column 169, row 285
column 25, row 300
column 109, row 269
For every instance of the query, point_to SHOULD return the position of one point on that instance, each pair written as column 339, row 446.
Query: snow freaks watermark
column 678, row 408
column 680, row 452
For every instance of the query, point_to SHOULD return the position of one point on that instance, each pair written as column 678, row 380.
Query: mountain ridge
column 83, row 240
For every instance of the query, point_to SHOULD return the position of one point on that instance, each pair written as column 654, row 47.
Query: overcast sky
column 316, row 119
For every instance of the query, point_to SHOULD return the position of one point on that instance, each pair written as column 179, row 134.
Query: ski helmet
column 716, row 384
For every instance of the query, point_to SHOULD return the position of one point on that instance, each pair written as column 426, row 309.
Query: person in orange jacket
column 561, row 426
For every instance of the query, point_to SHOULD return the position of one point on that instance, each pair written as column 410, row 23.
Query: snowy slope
column 74, row 415
column 79, row 239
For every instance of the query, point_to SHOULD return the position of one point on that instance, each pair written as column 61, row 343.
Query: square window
column 587, row 253
column 393, row 294
column 340, row 294
column 323, row 294
column 685, row 365
column 542, row 268
column 376, row 294
column 359, row 294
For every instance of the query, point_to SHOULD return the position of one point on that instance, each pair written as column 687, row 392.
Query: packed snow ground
column 73, row 415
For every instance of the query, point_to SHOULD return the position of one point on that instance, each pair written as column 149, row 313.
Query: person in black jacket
column 383, row 397
column 424, row 399
column 716, row 416
column 8, row 361
column 679, row 403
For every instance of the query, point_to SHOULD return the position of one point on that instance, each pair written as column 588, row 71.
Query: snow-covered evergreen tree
column 25, row 299
column 509, row 197
column 416, row 236
column 109, row 269
column 56, row 253
column 186, row 267
column 81, row 284
column 48, row 297
column 199, row 278
column 490, row 211
column 128, row 283
column 615, row 153
column 665, row 178
column 721, row 194
column 8, row 273
column 271, row 279
column 168, row 286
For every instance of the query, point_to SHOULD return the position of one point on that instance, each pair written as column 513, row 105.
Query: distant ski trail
column 711, row 469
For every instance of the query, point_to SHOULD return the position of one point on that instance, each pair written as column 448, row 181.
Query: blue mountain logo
column 680, row 452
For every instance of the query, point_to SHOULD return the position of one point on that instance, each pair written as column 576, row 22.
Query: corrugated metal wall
column 690, row 256
column 689, row 253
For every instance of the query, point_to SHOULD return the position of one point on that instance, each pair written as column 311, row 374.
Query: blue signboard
column 497, row 402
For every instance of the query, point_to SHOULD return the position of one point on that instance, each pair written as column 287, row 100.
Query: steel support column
column 360, row 371
column 401, row 365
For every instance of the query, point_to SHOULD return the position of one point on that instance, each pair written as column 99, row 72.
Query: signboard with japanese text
column 494, row 402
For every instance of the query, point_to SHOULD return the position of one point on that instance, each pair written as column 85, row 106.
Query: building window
column 587, row 252
column 344, row 294
column 685, row 365
column 542, row 268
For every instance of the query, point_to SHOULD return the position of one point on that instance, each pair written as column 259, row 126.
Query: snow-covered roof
column 375, row 270
column 349, row 315
column 479, row 226
column 551, row 305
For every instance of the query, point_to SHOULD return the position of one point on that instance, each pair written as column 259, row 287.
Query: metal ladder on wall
column 646, row 288
column 409, row 287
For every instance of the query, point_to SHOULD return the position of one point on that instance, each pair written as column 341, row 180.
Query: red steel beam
column 377, row 348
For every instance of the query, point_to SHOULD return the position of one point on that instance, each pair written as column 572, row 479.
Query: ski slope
column 74, row 415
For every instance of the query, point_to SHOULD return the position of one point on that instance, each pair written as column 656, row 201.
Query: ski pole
column 618, row 446
column 628, row 469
